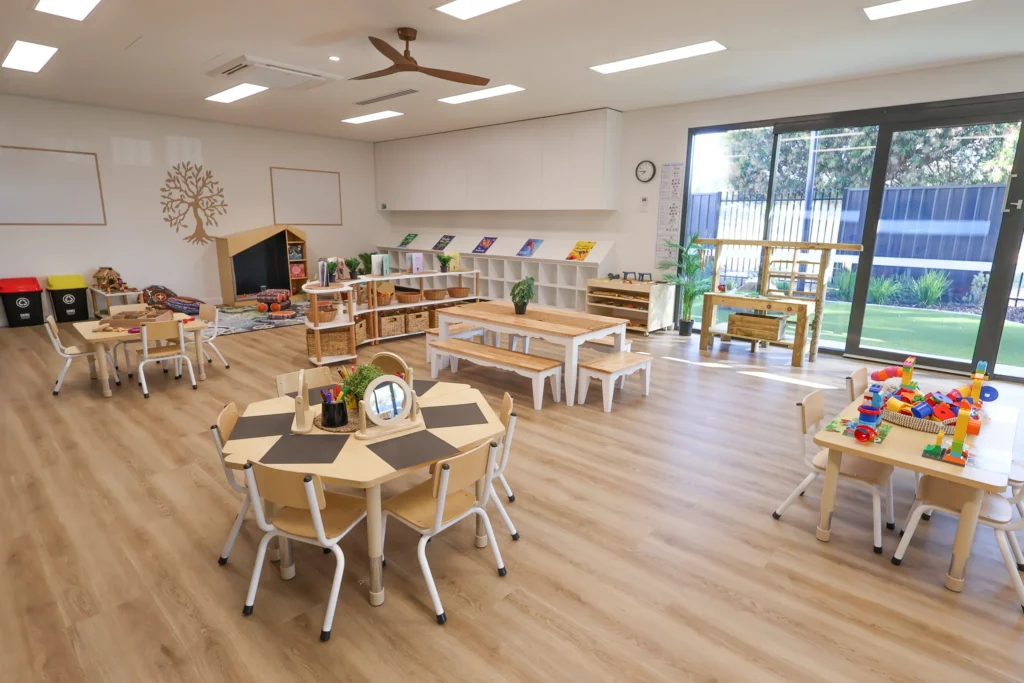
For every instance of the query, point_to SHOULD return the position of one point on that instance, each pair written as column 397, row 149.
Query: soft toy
column 156, row 296
column 274, row 300
column 183, row 304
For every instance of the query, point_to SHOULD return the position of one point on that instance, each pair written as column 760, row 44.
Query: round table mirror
column 387, row 399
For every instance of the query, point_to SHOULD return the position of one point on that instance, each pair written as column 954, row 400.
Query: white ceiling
column 154, row 56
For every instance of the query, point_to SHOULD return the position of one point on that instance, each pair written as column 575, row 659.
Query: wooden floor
column 648, row 550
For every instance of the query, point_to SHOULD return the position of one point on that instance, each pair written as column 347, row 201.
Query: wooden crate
column 333, row 342
column 360, row 330
column 769, row 327
column 417, row 322
column 390, row 325
column 130, row 319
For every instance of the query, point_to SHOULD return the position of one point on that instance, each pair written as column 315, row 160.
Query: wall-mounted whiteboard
column 50, row 187
column 304, row 197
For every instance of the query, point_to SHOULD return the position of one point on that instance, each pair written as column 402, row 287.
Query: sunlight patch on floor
column 788, row 380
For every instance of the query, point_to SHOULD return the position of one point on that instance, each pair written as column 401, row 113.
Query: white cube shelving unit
column 560, row 282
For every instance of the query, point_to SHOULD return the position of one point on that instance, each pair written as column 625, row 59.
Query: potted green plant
column 522, row 293
column 445, row 260
column 687, row 273
column 332, row 269
column 366, row 262
column 353, row 264
column 357, row 381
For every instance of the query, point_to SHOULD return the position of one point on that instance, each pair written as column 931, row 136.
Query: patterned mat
column 237, row 319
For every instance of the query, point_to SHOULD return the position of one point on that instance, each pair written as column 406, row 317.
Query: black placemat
column 458, row 415
column 412, row 449
column 301, row 449
column 263, row 425
column 422, row 386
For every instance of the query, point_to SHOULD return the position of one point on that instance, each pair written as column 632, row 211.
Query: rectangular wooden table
column 101, row 342
column 987, row 470
column 712, row 300
column 569, row 329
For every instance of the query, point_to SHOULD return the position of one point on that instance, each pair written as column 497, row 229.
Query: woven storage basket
column 390, row 325
column 911, row 422
column 333, row 342
column 360, row 331
column 434, row 294
column 458, row 292
column 384, row 298
column 325, row 314
column 407, row 297
column 417, row 322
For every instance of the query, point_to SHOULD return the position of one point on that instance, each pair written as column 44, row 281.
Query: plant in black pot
column 366, row 262
column 522, row 293
column 353, row 265
column 445, row 260
column 687, row 273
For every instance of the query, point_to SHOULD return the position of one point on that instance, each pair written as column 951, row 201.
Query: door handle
column 1019, row 204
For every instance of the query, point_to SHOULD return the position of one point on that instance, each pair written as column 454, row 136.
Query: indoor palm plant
column 445, row 260
column 522, row 293
column 686, row 272
column 353, row 264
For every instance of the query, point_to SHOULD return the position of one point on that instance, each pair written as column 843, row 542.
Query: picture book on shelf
column 456, row 262
column 580, row 251
column 414, row 262
column 298, row 271
column 443, row 243
column 381, row 264
column 295, row 252
column 408, row 239
column 530, row 248
column 485, row 244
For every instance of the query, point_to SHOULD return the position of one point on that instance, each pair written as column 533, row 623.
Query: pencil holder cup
column 334, row 414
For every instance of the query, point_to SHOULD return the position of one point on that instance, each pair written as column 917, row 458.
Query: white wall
column 135, row 152
column 660, row 134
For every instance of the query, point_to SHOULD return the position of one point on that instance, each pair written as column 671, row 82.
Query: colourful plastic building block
column 974, row 427
column 933, row 450
column 955, row 396
column 943, row 412
column 896, row 405
column 921, row 410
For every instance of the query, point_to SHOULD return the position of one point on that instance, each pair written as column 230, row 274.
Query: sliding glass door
column 937, row 220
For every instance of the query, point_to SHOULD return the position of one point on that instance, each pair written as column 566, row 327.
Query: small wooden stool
column 609, row 369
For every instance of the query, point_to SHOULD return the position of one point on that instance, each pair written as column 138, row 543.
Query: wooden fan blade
column 468, row 79
column 393, row 69
column 391, row 53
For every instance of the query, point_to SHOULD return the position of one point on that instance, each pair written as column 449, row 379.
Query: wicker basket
column 911, row 422
column 360, row 331
column 458, row 292
column 384, row 298
column 407, row 297
column 326, row 312
column 434, row 294
column 391, row 325
column 417, row 322
column 333, row 342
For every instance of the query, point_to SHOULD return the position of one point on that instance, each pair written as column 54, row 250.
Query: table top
column 991, row 451
column 745, row 299
column 456, row 418
column 88, row 330
column 555, row 321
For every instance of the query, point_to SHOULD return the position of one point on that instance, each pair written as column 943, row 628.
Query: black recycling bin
column 68, row 297
column 23, row 301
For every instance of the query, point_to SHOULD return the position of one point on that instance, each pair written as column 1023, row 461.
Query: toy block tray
column 128, row 320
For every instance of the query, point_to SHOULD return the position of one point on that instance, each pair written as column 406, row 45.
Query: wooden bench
column 457, row 331
column 534, row 367
column 610, row 368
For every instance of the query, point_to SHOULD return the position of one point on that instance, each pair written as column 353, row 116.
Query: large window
column 931, row 192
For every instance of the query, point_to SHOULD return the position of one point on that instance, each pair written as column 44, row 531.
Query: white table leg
column 584, row 387
column 620, row 340
column 443, row 327
column 572, row 353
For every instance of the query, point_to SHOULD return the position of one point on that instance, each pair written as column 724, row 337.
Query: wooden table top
column 88, row 330
column 991, row 452
column 743, row 300
column 556, row 321
column 456, row 418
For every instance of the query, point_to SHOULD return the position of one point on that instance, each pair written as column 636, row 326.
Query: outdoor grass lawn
column 921, row 331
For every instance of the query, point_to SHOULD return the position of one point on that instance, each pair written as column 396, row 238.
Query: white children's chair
column 221, row 432
column 306, row 513
column 70, row 353
column 508, row 419
column 172, row 332
column 124, row 345
column 209, row 313
column 288, row 382
column 874, row 477
column 441, row 502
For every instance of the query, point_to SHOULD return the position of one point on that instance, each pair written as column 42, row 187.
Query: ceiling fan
column 405, row 62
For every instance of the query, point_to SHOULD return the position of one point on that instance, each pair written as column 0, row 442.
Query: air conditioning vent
column 375, row 100
column 259, row 71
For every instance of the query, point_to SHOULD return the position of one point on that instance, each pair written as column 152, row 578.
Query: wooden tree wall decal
column 187, row 191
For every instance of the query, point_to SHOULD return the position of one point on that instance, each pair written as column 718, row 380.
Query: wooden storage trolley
column 645, row 306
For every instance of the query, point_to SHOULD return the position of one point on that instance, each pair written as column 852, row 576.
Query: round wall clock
column 645, row 171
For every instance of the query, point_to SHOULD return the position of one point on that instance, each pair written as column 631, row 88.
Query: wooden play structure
column 793, row 279
column 231, row 246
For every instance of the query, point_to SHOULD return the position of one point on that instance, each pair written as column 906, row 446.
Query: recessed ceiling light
column 72, row 9
column 28, row 56
column 236, row 93
column 482, row 94
column 334, row 58
column 374, row 117
column 895, row 9
column 467, row 9
column 661, row 57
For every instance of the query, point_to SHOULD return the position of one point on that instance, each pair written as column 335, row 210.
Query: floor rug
column 237, row 319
